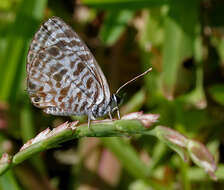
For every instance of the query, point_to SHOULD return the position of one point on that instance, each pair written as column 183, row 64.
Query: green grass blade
column 127, row 155
column 124, row 4
column 8, row 182
column 114, row 25
column 14, row 59
column 179, row 36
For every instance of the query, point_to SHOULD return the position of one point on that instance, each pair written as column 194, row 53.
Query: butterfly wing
column 63, row 76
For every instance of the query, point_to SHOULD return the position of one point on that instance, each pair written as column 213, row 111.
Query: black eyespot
column 37, row 99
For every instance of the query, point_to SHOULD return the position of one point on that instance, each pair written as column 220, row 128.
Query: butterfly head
column 109, row 108
column 115, row 102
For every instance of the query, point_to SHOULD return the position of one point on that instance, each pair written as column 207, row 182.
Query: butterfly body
column 63, row 77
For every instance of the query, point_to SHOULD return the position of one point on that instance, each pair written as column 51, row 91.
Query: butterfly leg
column 110, row 116
column 89, row 122
column 118, row 113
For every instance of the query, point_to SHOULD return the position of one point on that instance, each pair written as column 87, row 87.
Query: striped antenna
column 135, row 78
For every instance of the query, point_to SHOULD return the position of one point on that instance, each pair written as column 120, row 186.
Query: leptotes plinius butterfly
column 63, row 78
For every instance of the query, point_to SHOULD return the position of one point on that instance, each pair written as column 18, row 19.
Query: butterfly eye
column 118, row 98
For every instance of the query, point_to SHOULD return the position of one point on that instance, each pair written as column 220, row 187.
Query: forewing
column 62, row 73
column 56, row 32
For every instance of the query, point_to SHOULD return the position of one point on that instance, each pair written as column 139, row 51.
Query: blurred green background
column 183, row 41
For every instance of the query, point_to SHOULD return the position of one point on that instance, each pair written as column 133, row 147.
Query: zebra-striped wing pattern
column 63, row 78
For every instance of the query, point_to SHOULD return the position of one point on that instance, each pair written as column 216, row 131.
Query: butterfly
column 63, row 77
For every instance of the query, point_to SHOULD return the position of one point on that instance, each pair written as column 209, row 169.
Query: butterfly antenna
column 135, row 78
